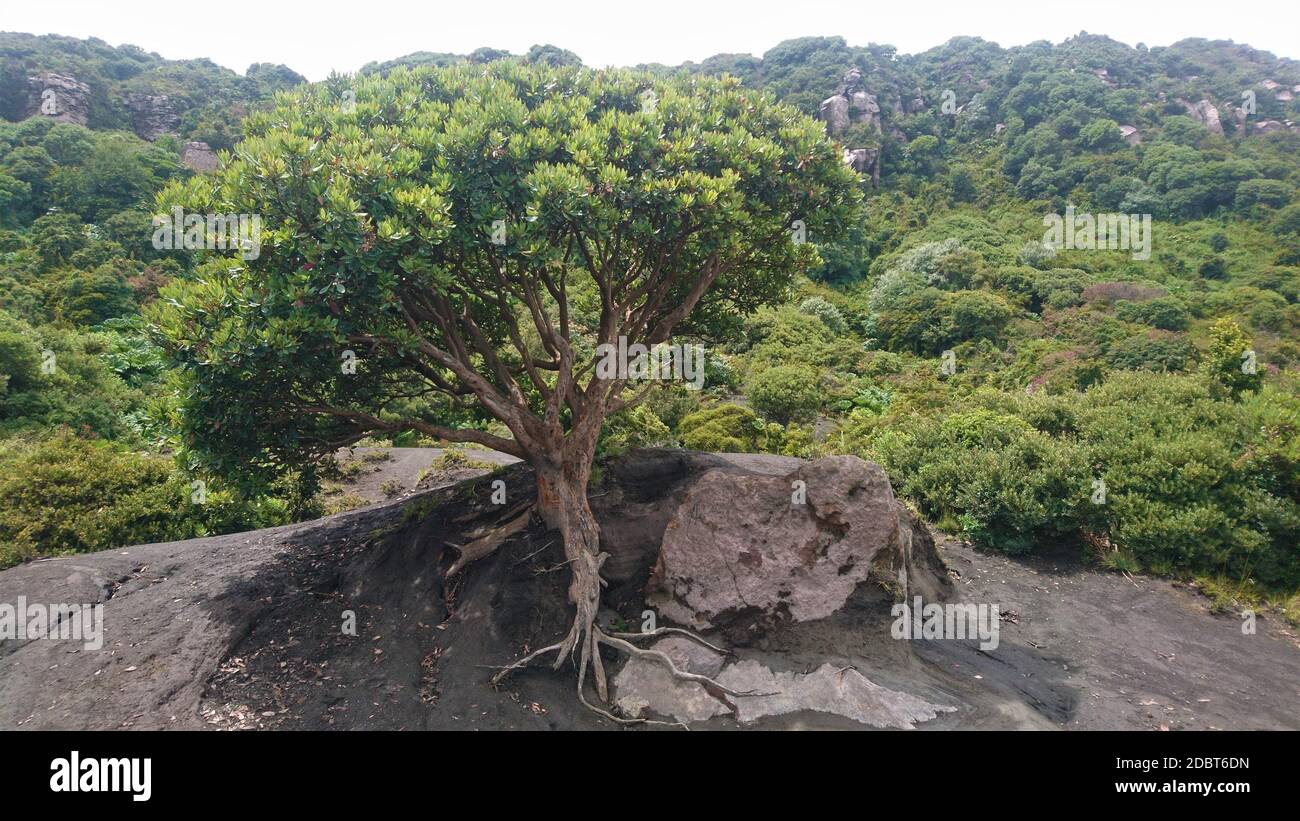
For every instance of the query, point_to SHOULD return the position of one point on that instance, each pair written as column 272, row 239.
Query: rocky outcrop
column 60, row 97
column 1204, row 113
column 745, row 553
column 850, row 106
column 864, row 161
column 1268, row 127
column 152, row 115
column 1130, row 134
column 854, row 105
column 199, row 156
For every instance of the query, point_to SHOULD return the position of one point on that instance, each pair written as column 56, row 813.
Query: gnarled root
column 590, row 638
column 563, row 505
column 486, row 541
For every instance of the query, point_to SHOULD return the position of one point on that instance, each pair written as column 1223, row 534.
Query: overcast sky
column 314, row 38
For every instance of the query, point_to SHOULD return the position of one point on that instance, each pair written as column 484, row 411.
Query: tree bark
column 562, row 503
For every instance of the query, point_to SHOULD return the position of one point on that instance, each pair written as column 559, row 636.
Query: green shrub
column 1153, row 351
column 1166, row 313
column 825, row 311
column 635, row 427
column 1230, row 357
column 724, row 428
column 69, row 495
column 786, row 393
column 66, row 495
column 1153, row 465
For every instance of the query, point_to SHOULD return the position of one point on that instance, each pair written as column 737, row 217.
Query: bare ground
column 246, row 631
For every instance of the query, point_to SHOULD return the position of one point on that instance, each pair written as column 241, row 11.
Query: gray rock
column 834, row 112
column 851, row 105
column 644, row 689
column 60, row 97
column 828, row 689
column 152, row 115
column 199, row 156
column 645, row 685
column 1131, row 134
column 1204, row 113
column 746, row 552
column 863, row 160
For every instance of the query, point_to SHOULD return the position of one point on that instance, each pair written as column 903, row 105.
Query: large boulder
column 199, row 156
column 1204, row 113
column 851, row 105
column 834, row 112
column 152, row 115
column 60, row 97
column 744, row 553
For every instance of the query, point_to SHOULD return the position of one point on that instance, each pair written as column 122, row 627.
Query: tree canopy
column 473, row 233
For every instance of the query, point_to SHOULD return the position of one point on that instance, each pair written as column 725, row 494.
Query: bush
column 69, row 495
column 1008, row 486
column 1166, row 313
column 636, row 427
column 825, row 311
column 1228, row 360
column 786, row 393
column 1153, row 351
column 724, row 428
column 66, row 495
column 1192, row 484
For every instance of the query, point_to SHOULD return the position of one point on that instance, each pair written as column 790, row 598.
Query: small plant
column 340, row 504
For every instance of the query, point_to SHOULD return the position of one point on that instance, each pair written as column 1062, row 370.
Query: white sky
column 315, row 37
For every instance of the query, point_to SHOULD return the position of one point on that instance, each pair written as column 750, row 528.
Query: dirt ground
column 378, row 469
column 248, row 631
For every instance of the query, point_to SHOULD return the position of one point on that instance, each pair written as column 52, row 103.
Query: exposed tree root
column 591, row 638
column 485, row 542
column 562, row 503
column 673, row 631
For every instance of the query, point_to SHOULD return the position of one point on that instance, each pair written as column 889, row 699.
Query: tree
column 1231, row 359
column 472, row 235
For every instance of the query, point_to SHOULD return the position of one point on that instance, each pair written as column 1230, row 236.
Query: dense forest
column 1142, row 407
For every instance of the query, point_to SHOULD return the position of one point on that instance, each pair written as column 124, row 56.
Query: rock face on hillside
column 744, row 553
column 1204, row 113
column 60, row 97
column 864, row 161
column 199, row 156
column 152, row 115
column 853, row 105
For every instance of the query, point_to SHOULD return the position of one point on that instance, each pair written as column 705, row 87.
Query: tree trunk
column 562, row 502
